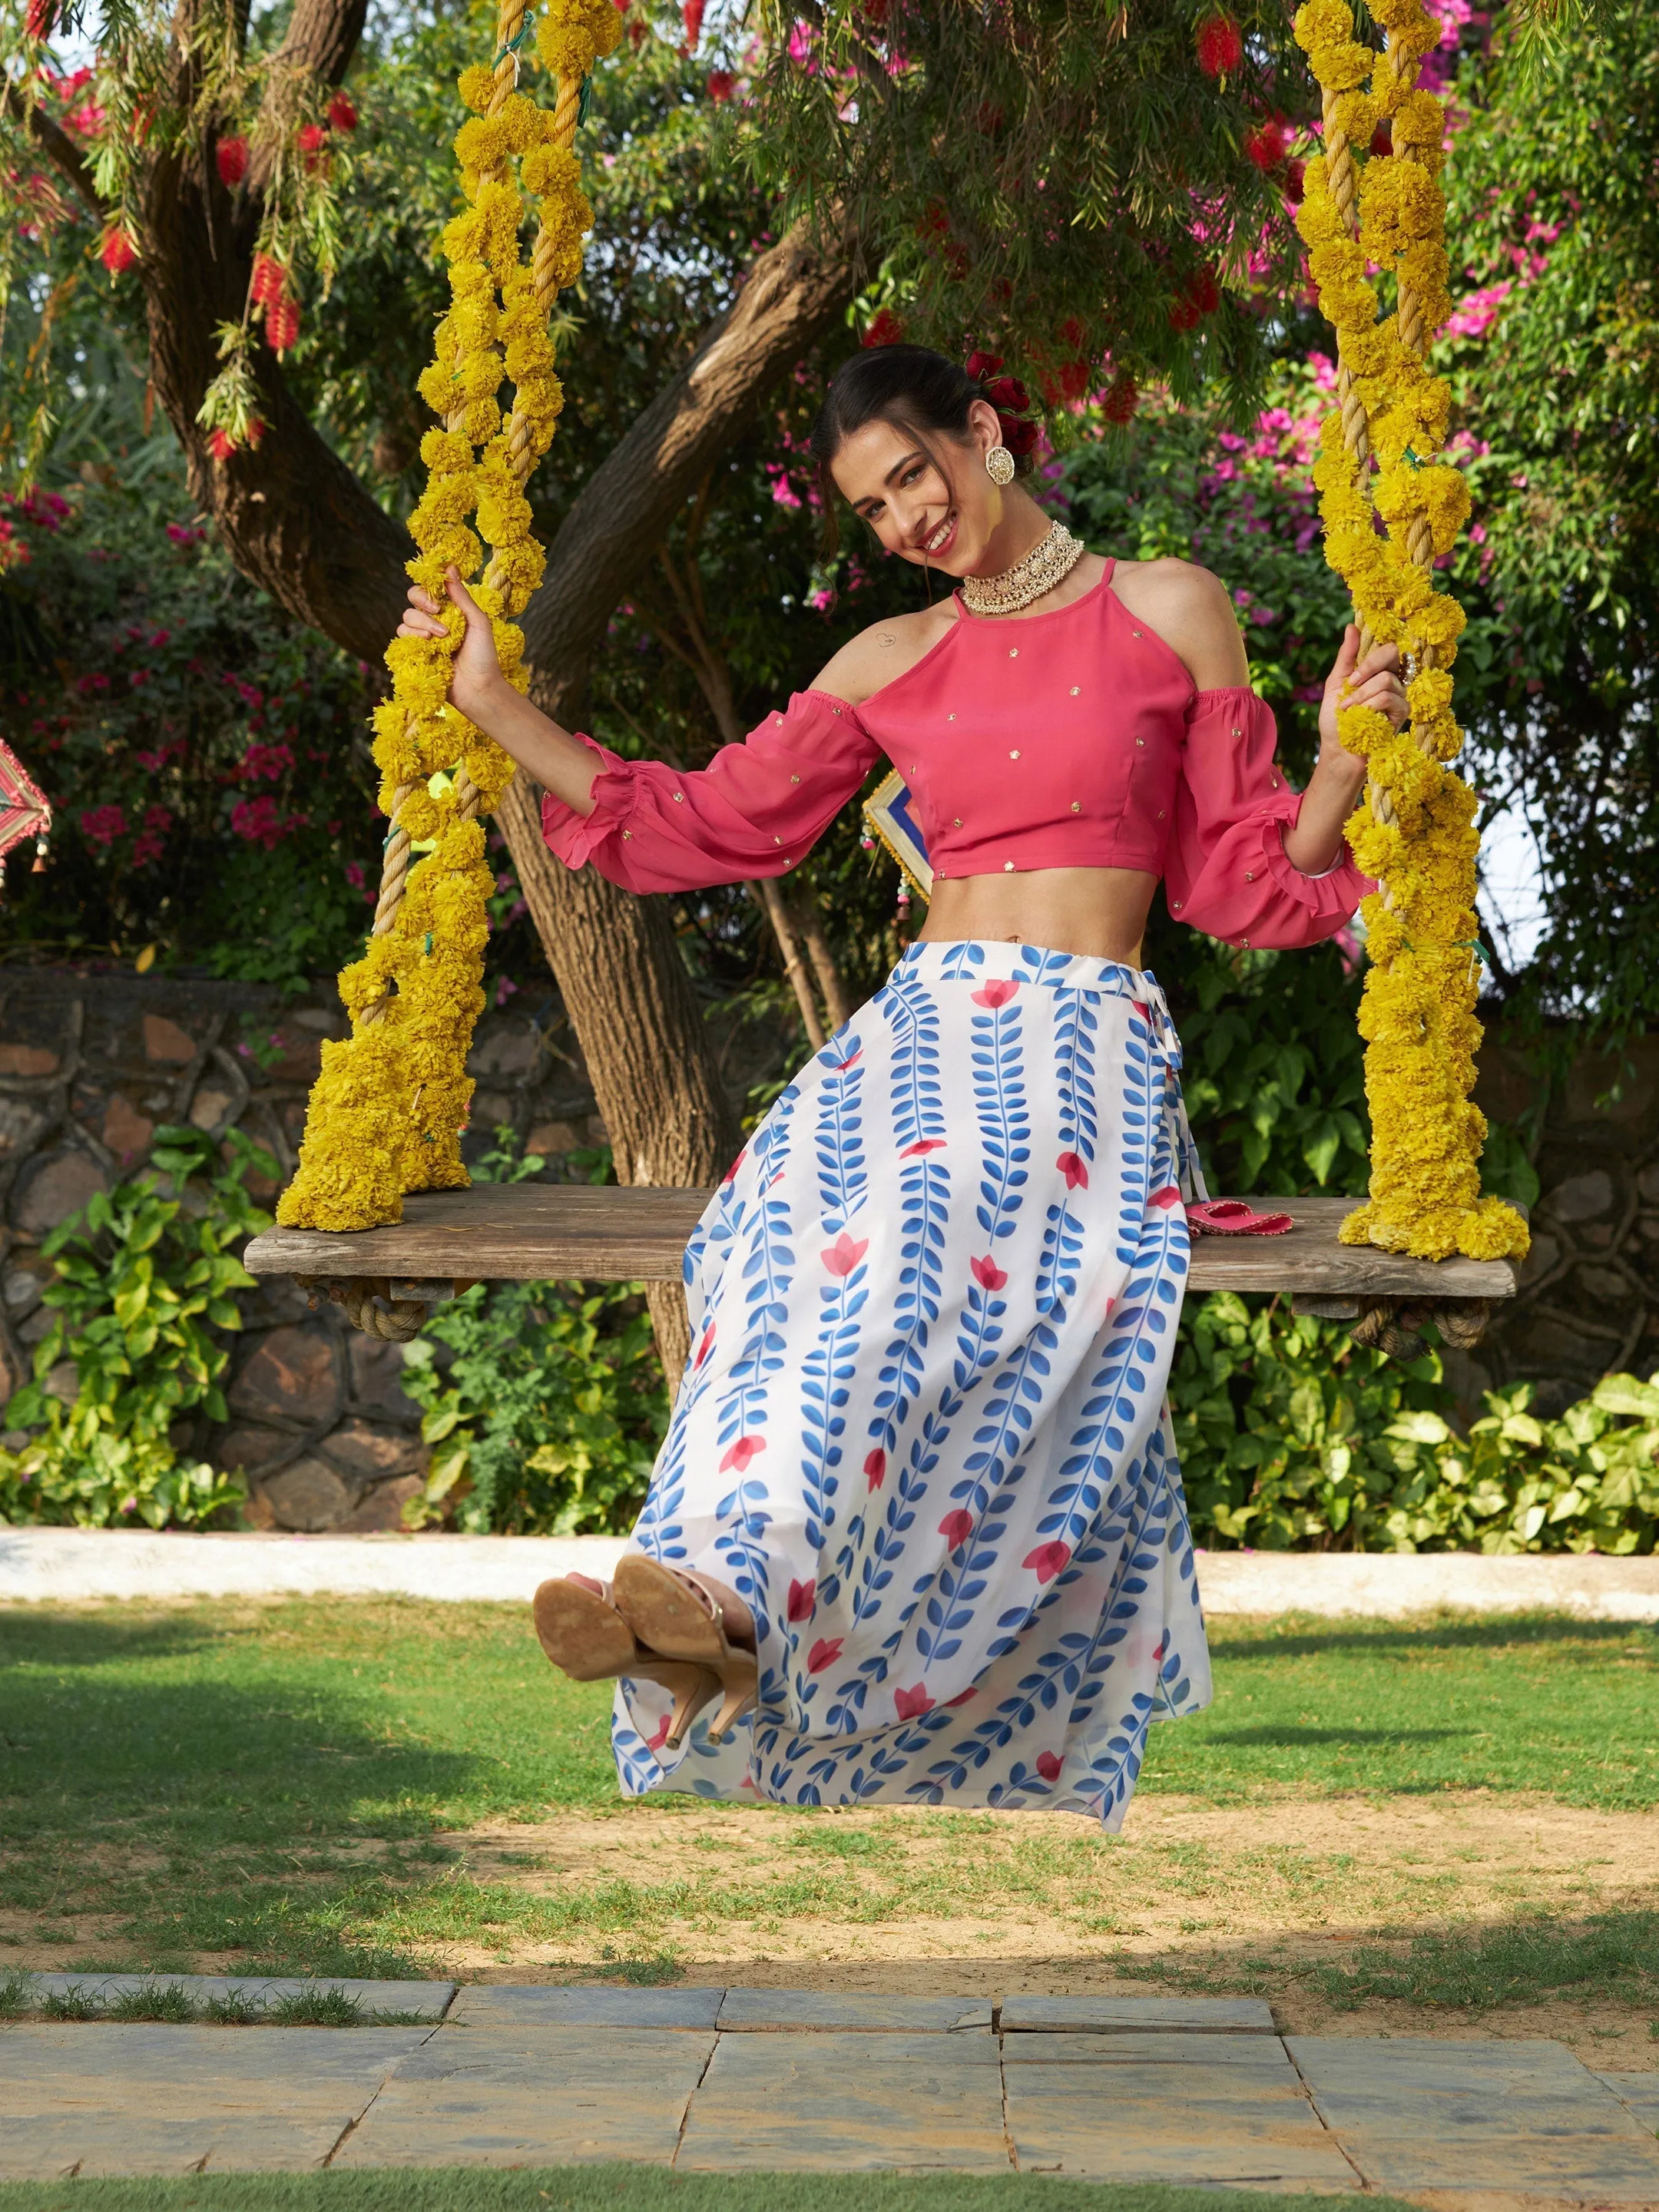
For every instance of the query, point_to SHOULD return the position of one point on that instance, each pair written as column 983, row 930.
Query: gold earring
column 999, row 464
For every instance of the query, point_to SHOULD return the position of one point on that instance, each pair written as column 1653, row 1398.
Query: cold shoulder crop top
column 1072, row 739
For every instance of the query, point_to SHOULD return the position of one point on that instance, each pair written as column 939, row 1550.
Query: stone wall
column 90, row 1064
column 1589, row 1291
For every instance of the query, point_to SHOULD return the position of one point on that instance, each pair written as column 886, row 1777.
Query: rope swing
column 1379, row 455
column 387, row 1111
column 389, row 1107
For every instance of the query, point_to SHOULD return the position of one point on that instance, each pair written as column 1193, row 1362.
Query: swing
column 380, row 1218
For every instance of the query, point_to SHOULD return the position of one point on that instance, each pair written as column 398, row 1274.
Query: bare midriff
column 1101, row 912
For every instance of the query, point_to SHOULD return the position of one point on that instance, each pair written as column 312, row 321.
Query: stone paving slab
column 1639, row 2092
column 430, row 2000
column 504, row 2004
column 110, row 2099
column 857, row 2103
column 1186, row 2115
column 1418, row 2112
column 760, row 2010
column 533, row 2096
column 1108, row 2016
column 1201, row 2053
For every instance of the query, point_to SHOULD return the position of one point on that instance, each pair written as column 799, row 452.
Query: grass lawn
column 631, row 2189
column 376, row 1787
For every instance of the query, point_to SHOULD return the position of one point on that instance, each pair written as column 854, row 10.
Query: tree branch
column 792, row 295
column 54, row 143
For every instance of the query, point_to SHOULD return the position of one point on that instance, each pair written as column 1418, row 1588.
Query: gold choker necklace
column 1048, row 562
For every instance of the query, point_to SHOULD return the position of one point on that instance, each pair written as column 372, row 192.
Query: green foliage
column 547, row 1415
column 145, row 1288
column 1291, row 1436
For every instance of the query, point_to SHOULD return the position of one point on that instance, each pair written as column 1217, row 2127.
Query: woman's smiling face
column 885, row 474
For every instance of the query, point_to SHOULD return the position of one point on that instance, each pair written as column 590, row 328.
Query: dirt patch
column 1004, row 1903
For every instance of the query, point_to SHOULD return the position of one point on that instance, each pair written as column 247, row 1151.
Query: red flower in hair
column 1008, row 395
column 1018, row 437
column 1220, row 48
column 884, row 328
column 982, row 365
column 230, row 156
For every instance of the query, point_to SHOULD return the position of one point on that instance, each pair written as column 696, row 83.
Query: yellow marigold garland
column 388, row 1109
column 1416, row 834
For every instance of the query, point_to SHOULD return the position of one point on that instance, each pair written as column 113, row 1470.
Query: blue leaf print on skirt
column 924, row 1430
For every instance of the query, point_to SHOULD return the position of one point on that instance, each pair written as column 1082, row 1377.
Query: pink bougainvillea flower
column 1048, row 1764
column 844, row 1254
column 825, row 1653
column 923, row 1145
column 1048, row 1561
column 741, row 1453
column 875, row 1468
column 1073, row 1167
column 911, row 1704
column 956, row 1527
column 988, row 1274
column 102, row 825
column 802, row 1597
column 1169, row 1196
column 996, row 993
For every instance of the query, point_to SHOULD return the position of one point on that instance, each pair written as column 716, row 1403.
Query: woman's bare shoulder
column 878, row 655
column 1192, row 610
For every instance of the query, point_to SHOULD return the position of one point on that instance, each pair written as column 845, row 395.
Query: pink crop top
column 1074, row 739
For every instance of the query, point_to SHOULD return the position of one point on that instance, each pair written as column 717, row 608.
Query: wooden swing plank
column 541, row 1232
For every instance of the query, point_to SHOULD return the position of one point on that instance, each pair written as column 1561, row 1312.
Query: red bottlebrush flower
column 991, row 119
column 117, row 250
column 636, row 32
column 1220, row 48
column 1121, row 399
column 935, row 224
column 691, row 16
column 719, row 85
column 40, row 16
column 269, row 281
column 222, row 444
column 312, row 139
column 884, row 328
column 1265, row 145
column 1294, row 181
column 341, row 112
column 1072, row 330
column 955, row 1527
column 1200, row 295
column 987, row 1273
column 230, row 155
column 1074, row 378
column 874, row 13
column 256, row 431
column 283, row 325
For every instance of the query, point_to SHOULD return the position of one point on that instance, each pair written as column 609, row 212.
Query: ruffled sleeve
column 757, row 808
column 1227, row 872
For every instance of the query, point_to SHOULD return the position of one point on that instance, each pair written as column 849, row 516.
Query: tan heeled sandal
column 674, row 1614
column 586, row 1636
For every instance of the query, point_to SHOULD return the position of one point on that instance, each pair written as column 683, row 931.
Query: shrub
column 145, row 1286
column 1293, row 1437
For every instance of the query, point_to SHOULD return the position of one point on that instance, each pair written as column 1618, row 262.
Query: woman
column 918, row 1521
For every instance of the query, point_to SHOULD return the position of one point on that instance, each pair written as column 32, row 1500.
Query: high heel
column 674, row 1614
column 586, row 1636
